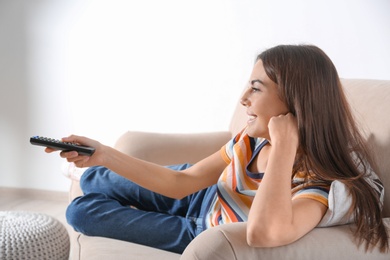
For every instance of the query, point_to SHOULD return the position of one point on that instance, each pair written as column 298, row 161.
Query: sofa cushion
column 101, row 248
column 370, row 102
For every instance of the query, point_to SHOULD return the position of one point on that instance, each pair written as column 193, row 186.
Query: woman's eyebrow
column 258, row 81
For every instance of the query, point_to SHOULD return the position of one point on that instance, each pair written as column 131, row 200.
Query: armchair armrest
column 168, row 149
column 228, row 241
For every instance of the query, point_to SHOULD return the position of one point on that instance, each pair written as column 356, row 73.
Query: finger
column 72, row 139
column 78, row 139
column 50, row 150
column 69, row 154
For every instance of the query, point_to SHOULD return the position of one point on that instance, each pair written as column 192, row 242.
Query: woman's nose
column 244, row 98
column 243, row 101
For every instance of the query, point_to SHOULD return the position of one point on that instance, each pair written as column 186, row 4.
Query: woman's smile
column 251, row 118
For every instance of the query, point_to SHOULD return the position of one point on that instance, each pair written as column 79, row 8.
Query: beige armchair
column 370, row 100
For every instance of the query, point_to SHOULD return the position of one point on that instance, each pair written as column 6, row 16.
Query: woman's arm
column 149, row 175
column 165, row 181
column 274, row 219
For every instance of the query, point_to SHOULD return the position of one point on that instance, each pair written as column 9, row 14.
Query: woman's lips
column 251, row 118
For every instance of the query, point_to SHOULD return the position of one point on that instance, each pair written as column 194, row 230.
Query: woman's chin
column 256, row 132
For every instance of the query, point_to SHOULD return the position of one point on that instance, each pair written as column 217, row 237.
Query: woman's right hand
column 82, row 160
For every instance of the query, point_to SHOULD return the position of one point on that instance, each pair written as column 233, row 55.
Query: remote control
column 59, row 145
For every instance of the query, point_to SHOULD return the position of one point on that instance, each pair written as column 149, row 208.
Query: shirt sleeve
column 315, row 191
column 336, row 197
column 339, row 205
column 340, row 202
column 227, row 149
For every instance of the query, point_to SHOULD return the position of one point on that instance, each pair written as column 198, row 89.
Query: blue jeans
column 115, row 207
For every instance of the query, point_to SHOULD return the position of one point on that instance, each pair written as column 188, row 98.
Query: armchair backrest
column 370, row 103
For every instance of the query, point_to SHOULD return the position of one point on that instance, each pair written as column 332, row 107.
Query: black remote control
column 59, row 145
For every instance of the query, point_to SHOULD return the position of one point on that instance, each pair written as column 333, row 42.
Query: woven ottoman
column 28, row 235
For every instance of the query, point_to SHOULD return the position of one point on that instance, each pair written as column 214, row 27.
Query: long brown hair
column 331, row 146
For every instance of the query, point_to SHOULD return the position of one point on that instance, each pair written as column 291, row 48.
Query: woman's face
column 262, row 102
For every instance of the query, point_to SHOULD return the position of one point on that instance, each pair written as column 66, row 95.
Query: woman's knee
column 91, row 177
column 81, row 214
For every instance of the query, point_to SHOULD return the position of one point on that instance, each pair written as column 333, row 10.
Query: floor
column 49, row 202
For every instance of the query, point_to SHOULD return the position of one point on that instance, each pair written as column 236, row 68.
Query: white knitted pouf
column 28, row 235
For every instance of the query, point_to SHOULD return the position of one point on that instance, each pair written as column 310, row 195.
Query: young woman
column 276, row 174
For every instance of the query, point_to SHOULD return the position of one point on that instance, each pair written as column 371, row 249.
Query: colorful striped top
column 237, row 186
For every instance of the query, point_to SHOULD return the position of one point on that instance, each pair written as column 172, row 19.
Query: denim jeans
column 114, row 207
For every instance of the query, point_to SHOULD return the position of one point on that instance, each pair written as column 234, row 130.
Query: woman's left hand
column 284, row 129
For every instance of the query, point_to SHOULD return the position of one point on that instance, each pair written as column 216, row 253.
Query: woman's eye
column 255, row 89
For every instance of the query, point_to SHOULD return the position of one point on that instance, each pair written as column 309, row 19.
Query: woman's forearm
column 271, row 213
column 148, row 175
column 168, row 182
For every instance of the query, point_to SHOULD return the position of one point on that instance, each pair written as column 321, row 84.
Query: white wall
column 99, row 68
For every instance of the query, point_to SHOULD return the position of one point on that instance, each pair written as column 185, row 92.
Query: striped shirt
column 237, row 186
